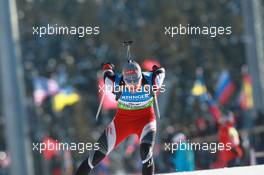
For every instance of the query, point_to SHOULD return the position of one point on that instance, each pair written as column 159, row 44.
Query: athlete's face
column 132, row 85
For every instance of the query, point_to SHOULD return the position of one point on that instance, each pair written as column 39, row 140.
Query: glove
column 154, row 68
column 106, row 66
column 108, row 70
column 157, row 70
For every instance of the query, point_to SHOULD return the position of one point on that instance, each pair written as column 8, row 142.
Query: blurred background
column 49, row 84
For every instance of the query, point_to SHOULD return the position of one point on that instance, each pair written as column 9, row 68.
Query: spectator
column 183, row 160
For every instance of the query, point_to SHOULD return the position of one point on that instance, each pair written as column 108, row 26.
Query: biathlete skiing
column 135, row 113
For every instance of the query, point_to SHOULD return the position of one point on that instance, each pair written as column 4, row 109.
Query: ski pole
column 100, row 106
column 157, row 104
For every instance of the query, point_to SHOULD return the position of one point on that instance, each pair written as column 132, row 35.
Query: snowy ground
column 246, row 170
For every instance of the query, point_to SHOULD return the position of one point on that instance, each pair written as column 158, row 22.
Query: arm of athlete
column 109, row 75
column 158, row 76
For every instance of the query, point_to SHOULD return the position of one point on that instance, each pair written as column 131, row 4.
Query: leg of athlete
column 146, row 150
column 106, row 144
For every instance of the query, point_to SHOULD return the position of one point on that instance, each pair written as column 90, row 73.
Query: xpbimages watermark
column 79, row 31
column 211, row 31
column 116, row 88
column 60, row 146
column 204, row 146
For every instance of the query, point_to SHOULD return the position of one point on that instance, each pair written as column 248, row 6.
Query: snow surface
column 245, row 170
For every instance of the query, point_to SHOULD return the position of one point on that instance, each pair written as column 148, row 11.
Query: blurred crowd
column 70, row 66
